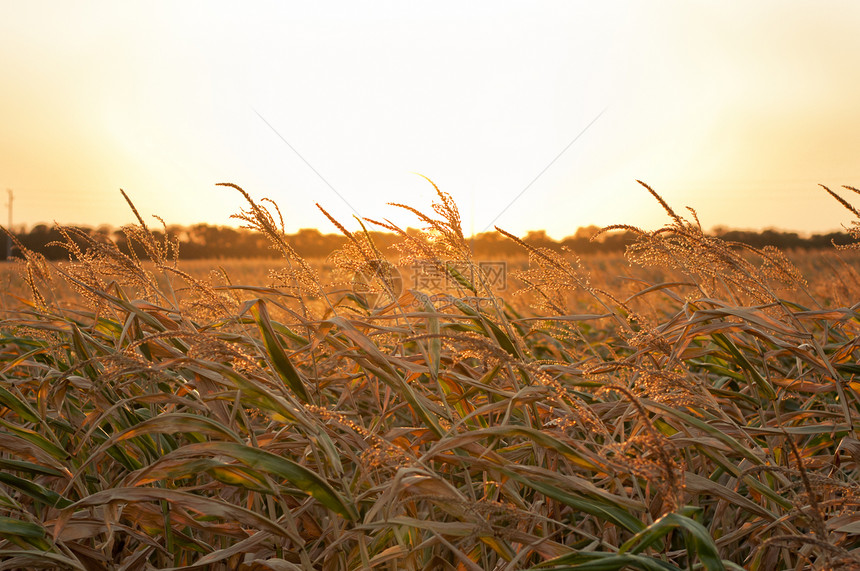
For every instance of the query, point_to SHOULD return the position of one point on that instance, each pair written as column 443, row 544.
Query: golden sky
column 737, row 109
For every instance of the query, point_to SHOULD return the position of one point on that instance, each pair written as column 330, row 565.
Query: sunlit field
column 688, row 405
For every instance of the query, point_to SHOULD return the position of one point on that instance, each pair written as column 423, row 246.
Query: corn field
column 695, row 414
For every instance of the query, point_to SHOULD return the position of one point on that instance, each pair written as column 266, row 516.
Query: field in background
column 832, row 275
column 690, row 405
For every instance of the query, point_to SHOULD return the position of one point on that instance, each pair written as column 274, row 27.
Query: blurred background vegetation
column 205, row 241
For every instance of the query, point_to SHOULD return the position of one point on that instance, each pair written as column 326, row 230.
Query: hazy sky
column 736, row 109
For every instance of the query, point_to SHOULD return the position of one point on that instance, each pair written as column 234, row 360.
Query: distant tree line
column 206, row 241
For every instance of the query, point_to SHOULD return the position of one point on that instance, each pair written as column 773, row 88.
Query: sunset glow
column 736, row 110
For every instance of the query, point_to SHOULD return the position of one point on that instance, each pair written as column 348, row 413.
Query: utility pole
column 9, row 227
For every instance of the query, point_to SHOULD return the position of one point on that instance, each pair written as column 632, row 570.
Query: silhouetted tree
column 202, row 241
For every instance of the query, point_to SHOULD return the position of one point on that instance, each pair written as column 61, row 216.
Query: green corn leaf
column 24, row 533
column 22, row 409
column 600, row 509
column 37, row 440
column 599, row 561
column 306, row 480
column 764, row 387
column 278, row 357
column 699, row 543
column 34, row 490
column 489, row 328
